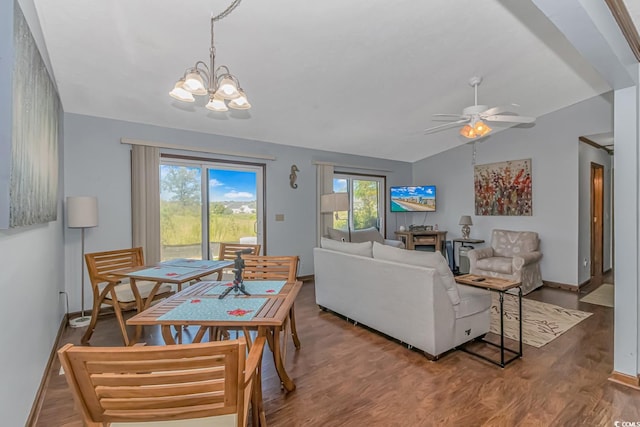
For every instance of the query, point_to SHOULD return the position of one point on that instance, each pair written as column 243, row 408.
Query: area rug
column 603, row 295
column 541, row 322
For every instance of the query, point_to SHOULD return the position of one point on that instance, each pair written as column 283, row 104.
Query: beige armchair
column 513, row 255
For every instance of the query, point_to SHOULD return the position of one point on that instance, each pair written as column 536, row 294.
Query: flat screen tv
column 413, row 199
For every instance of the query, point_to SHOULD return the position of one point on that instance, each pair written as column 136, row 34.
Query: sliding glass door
column 366, row 201
column 205, row 203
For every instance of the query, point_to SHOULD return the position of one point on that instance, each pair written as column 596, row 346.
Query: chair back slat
column 128, row 384
column 100, row 265
column 270, row 267
column 228, row 250
column 175, row 377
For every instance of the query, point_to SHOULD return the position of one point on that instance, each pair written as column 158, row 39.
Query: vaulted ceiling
column 361, row 77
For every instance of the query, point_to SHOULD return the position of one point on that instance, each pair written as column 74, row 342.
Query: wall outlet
column 585, row 262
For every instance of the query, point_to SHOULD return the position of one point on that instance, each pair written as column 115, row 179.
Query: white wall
column 552, row 144
column 97, row 164
column 31, row 308
column 626, row 354
column 586, row 155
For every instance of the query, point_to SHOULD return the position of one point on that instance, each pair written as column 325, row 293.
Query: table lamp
column 335, row 202
column 465, row 222
column 82, row 212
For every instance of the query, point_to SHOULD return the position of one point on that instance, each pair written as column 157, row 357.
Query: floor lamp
column 336, row 202
column 82, row 212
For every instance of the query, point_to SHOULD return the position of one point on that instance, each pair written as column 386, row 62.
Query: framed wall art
column 32, row 178
column 503, row 188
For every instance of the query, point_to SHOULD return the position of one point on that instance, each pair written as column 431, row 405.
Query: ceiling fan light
column 193, row 83
column 216, row 104
column 180, row 93
column 228, row 89
column 241, row 102
column 468, row 132
column 481, row 129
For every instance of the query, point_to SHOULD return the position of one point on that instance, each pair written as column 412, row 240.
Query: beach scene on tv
column 413, row 199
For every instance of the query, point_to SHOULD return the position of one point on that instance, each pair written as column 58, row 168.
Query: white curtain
column 145, row 201
column 324, row 184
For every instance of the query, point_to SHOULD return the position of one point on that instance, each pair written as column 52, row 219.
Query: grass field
column 183, row 226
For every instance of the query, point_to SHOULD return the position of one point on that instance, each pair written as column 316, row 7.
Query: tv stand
column 415, row 240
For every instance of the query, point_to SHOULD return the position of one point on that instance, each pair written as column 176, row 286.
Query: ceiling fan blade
column 441, row 117
column 510, row 119
column 499, row 110
column 449, row 115
column 435, row 128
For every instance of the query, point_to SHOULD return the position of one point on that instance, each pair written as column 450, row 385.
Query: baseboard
column 44, row 383
column 626, row 380
column 583, row 284
column 563, row 286
column 307, row 278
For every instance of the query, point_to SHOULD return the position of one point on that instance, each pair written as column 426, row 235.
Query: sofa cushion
column 362, row 249
column 424, row 259
column 497, row 264
column 472, row 301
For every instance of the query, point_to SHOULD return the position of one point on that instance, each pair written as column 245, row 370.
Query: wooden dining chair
column 180, row 385
column 257, row 267
column 111, row 289
column 228, row 251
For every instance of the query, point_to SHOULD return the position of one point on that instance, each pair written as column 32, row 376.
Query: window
column 366, row 201
column 205, row 203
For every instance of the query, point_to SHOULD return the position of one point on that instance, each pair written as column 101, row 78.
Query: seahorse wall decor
column 293, row 176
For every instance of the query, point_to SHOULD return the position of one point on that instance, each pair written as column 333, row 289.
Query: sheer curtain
column 145, row 201
column 324, row 184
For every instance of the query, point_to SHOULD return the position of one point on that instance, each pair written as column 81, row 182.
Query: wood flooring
column 347, row 375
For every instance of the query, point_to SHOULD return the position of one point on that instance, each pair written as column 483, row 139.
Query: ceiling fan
column 476, row 115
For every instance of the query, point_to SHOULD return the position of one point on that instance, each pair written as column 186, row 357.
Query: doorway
column 206, row 202
column 597, row 223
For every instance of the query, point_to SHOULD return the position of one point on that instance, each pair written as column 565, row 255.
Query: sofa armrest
column 476, row 254
column 520, row 261
column 394, row 243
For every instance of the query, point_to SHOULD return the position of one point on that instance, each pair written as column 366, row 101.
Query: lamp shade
column 82, row 212
column 334, row 202
column 465, row 220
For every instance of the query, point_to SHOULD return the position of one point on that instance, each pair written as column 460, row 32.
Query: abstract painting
column 33, row 182
column 503, row 188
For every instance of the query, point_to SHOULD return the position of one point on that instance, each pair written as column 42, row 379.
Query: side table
column 501, row 286
column 462, row 242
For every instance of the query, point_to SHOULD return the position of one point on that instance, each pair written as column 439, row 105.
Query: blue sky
column 425, row 191
column 224, row 185
column 230, row 185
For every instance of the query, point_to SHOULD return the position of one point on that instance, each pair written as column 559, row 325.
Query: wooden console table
column 411, row 239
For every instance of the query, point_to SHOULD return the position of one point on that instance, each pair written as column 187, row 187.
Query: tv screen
column 413, row 199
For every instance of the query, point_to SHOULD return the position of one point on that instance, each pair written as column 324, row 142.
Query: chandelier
column 222, row 87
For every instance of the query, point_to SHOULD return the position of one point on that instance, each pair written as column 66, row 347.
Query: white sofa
column 365, row 235
column 408, row 295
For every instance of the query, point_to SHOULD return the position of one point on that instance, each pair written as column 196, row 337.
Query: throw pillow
column 362, row 249
column 423, row 259
column 339, row 235
column 367, row 235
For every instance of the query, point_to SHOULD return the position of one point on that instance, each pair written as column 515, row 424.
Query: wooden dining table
column 175, row 271
column 265, row 310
